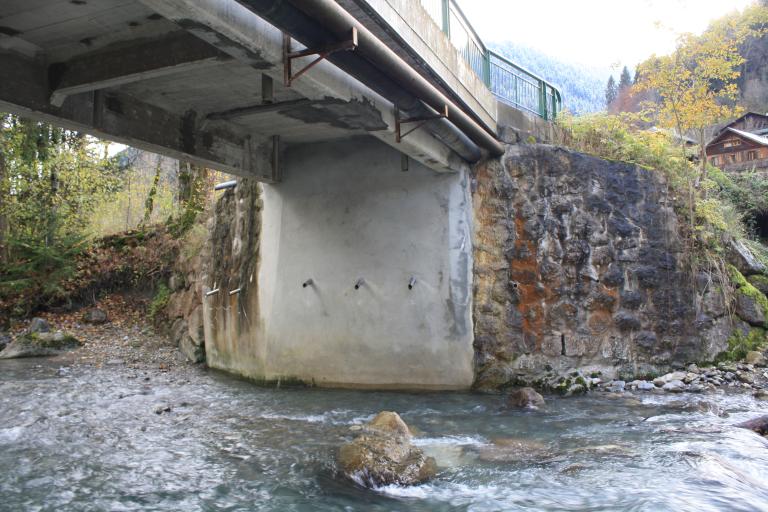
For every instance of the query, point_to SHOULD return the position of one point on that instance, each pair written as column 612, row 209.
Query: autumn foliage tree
column 696, row 86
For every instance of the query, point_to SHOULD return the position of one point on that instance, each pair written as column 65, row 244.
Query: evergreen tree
column 625, row 80
column 611, row 92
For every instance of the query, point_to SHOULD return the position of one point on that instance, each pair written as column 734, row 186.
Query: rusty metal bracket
column 322, row 53
column 399, row 135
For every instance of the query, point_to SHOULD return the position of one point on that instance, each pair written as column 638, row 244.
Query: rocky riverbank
column 749, row 375
column 115, row 331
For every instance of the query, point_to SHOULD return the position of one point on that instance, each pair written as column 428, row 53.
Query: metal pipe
column 360, row 282
column 226, row 184
column 308, row 282
column 212, row 292
column 237, row 290
column 411, row 283
column 321, row 22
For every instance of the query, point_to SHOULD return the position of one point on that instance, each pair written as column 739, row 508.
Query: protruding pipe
column 212, row 292
column 237, row 290
column 411, row 283
column 226, row 184
column 360, row 282
column 308, row 282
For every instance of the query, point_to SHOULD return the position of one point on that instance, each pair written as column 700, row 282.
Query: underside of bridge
column 235, row 86
column 205, row 81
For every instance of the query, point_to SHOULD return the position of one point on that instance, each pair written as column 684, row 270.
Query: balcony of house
column 760, row 165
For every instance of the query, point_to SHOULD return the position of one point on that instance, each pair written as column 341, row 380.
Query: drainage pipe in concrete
column 321, row 22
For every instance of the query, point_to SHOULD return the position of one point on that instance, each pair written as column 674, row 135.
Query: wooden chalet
column 741, row 145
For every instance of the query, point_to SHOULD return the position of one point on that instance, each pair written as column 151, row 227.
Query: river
column 86, row 439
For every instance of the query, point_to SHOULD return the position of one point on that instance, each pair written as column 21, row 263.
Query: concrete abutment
column 347, row 213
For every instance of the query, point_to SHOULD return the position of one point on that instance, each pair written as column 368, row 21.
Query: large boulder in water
column 525, row 398
column 383, row 455
column 39, row 344
column 759, row 425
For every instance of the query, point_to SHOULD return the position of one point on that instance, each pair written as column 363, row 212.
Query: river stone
column 525, row 398
column 37, row 325
column 387, row 422
column 95, row 316
column 759, row 425
column 674, row 386
column 641, row 385
column 755, row 358
column 761, row 394
column 39, row 345
column 384, row 455
column 513, row 450
column 605, row 450
column 664, row 379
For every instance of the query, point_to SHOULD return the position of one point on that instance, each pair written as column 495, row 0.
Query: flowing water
column 91, row 440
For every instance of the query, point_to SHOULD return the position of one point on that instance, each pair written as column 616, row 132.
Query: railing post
column 542, row 100
column 554, row 105
column 487, row 69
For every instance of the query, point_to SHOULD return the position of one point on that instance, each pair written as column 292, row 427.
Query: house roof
column 719, row 129
column 759, row 139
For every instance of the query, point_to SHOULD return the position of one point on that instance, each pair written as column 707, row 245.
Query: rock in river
column 513, row 450
column 674, row 386
column 759, row 425
column 525, row 398
column 39, row 344
column 383, row 454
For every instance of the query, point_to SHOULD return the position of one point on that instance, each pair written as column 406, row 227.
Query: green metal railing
column 511, row 83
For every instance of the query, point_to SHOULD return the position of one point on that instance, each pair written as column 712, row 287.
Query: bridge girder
column 127, row 120
column 144, row 60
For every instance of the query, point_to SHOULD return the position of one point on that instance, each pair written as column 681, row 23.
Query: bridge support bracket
column 400, row 135
column 322, row 53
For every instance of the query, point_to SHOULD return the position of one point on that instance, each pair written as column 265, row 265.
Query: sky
column 599, row 33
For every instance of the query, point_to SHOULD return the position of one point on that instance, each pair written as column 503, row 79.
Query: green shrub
column 739, row 344
column 158, row 304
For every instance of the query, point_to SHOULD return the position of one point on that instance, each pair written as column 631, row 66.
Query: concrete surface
column 346, row 211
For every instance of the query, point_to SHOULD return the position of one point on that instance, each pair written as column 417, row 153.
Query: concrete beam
column 236, row 30
column 127, row 120
column 113, row 67
column 262, row 108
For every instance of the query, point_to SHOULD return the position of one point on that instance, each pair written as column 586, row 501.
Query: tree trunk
column 186, row 180
column 50, row 235
column 3, row 219
column 149, row 204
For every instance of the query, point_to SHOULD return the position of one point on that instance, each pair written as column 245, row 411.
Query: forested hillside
column 583, row 87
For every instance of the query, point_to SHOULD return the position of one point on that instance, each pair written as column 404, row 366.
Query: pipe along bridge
column 360, row 119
